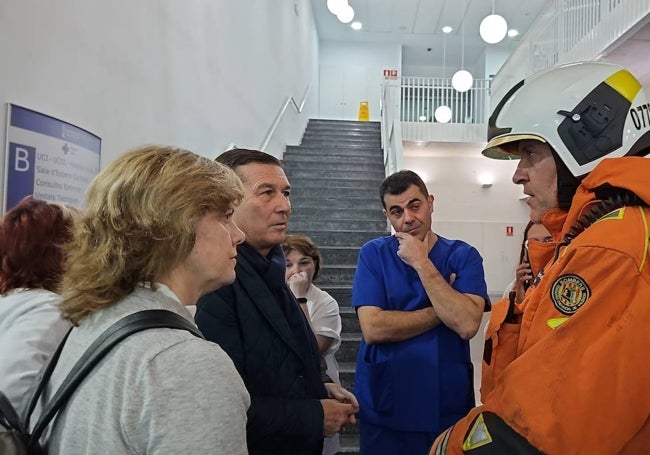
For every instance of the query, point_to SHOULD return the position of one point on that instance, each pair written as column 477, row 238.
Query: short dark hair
column 234, row 158
column 306, row 246
column 399, row 182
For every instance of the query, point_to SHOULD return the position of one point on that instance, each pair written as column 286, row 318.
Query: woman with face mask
column 320, row 308
column 502, row 331
column 536, row 250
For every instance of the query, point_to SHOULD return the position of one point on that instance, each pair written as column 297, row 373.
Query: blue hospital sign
column 20, row 175
column 48, row 158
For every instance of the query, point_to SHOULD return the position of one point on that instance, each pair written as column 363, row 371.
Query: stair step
column 299, row 201
column 354, row 238
column 343, row 193
column 343, row 123
column 306, row 224
column 337, row 149
column 336, row 274
column 349, row 319
column 355, row 182
column 294, row 155
column 352, row 138
column 361, row 214
column 342, row 136
column 346, row 372
column 336, row 164
column 342, row 255
column 329, row 131
column 295, row 158
column 358, row 173
column 347, row 143
column 349, row 444
column 349, row 348
column 341, row 293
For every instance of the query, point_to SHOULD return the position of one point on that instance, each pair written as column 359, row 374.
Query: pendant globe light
column 345, row 14
column 442, row 114
column 493, row 28
column 462, row 79
column 335, row 6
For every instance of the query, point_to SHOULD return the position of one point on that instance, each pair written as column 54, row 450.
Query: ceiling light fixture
column 493, row 28
column 462, row 80
column 336, row 6
column 447, row 29
column 486, row 179
column 356, row 25
column 346, row 14
column 513, row 32
column 442, row 114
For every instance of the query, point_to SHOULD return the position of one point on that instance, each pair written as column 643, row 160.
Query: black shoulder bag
column 15, row 438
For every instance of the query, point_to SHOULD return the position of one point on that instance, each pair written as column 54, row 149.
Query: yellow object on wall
column 364, row 111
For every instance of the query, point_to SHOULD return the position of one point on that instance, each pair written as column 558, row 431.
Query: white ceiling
column 417, row 26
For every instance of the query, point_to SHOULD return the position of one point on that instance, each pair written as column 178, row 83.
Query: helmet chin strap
column 567, row 183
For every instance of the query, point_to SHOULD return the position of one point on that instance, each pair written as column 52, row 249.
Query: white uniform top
column 30, row 330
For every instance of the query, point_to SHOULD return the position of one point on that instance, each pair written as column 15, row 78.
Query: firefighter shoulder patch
column 569, row 292
column 478, row 435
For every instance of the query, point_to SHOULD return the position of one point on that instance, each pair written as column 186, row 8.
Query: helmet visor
column 505, row 147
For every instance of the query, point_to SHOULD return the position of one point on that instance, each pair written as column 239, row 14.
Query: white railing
column 568, row 31
column 391, row 133
column 422, row 95
column 408, row 105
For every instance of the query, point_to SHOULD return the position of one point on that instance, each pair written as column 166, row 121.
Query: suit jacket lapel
column 265, row 302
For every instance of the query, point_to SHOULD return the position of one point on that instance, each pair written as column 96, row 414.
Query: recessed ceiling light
column 513, row 32
column 447, row 29
column 356, row 25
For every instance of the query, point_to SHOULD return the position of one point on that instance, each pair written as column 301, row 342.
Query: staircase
column 335, row 176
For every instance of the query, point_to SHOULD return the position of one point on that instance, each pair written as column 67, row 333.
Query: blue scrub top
column 424, row 383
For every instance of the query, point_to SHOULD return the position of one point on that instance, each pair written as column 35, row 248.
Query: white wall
column 476, row 68
column 199, row 74
column 494, row 58
column 426, row 71
column 351, row 73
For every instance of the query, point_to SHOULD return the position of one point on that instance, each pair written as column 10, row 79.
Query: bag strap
column 8, row 415
column 126, row 326
column 41, row 381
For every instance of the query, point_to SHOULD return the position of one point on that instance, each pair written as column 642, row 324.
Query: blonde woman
column 157, row 234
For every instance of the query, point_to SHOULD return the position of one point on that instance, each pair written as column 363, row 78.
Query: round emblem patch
column 569, row 292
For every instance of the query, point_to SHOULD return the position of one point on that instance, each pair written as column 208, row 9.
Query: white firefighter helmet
column 585, row 111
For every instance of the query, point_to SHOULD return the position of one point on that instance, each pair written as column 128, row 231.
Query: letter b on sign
column 21, row 158
column 20, row 173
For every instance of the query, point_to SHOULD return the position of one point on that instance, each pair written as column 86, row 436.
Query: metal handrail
column 278, row 117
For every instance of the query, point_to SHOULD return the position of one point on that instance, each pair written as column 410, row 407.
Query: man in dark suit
column 258, row 322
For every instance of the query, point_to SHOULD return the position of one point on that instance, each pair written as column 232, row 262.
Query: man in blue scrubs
column 420, row 298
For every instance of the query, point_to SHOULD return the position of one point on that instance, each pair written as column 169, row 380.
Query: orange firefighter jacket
column 579, row 381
